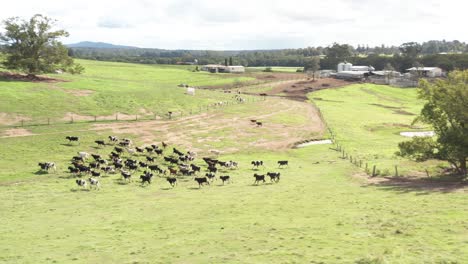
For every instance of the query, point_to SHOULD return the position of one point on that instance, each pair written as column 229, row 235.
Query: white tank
column 340, row 67
column 347, row 66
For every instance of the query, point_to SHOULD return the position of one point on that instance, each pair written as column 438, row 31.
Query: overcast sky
column 249, row 24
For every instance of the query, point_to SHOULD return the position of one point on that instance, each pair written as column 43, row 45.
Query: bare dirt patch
column 16, row 132
column 228, row 132
column 12, row 119
column 8, row 76
column 79, row 92
column 298, row 90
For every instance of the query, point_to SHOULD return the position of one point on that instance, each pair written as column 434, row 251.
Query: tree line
column 448, row 55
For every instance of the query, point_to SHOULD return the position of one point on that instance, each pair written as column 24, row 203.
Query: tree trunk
column 463, row 167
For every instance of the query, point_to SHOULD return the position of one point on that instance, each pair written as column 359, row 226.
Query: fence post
column 136, row 117
column 116, row 117
column 95, row 118
column 373, row 171
column 48, row 121
column 71, row 119
column 360, row 163
column 351, row 159
column 396, row 171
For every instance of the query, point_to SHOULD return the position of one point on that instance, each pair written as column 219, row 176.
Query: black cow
column 164, row 145
column 96, row 156
column 172, row 181
column 146, row 178
column 149, row 159
column 158, row 151
column 212, row 169
column 140, row 150
column 257, row 163
column 176, row 151
column 282, row 163
column 202, row 181
column 119, row 150
column 73, row 170
column 72, row 138
column 126, row 175
column 274, row 176
column 259, row 178
column 100, row 142
column 259, row 124
column 195, row 167
column 211, row 176
column 225, row 178
column 96, row 174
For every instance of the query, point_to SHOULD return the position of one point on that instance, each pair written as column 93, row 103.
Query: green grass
column 367, row 120
column 315, row 214
column 115, row 87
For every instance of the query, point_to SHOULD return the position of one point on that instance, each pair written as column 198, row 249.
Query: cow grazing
column 172, row 181
column 149, row 159
column 100, row 142
column 259, row 178
column 72, row 138
column 142, row 164
column 158, row 151
column 96, row 156
column 149, row 149
column 95, row 174
column 282, row 163
column 253, row 120
column 46, row 166
column 259, row 124
column 202, row 181
column 119, row 150
column 94, row 182
column 225, row 178
column 172, row 171
column 232, row 164
column 274, row 176
column 83, row 154
column 108, row 169
column 81, row 183
column 164, row 145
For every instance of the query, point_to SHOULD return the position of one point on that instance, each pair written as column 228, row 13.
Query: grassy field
column 106, row 88
column 323, row 210
column 367, row 120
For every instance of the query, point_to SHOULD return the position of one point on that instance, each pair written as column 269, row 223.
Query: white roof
column 423, row 69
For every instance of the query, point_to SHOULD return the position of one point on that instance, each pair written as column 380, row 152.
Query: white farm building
column 223, row 69
column 431, row 72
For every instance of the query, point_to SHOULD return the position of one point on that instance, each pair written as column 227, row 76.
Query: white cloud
column 249, row 24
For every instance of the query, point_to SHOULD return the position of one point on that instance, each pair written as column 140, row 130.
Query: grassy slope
column 117, row 87
column 365, row 125
column 315, row 214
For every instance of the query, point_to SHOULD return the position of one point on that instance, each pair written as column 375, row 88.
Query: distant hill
column 98, row 45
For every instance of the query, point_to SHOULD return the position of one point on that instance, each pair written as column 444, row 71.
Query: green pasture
column 113, row 87
column 367, row 120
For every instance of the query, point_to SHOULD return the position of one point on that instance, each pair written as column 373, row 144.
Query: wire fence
column 368, row 166
column 119, row 117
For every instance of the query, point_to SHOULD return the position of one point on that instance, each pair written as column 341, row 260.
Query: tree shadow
column 421, row 186
column 41, row 172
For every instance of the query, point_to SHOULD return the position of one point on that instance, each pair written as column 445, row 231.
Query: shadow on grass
column 79, row 190
column 41, row 172
column 422, row 186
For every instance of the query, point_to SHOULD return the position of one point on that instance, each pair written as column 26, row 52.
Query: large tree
column 446, row 110
column 32, row 46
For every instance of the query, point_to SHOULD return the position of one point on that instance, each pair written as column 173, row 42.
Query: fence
column 118, row 117
column 370, row 169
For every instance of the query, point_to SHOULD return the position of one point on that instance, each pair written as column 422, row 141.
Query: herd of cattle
column 128, row 160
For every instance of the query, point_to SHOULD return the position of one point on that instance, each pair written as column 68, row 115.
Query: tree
column 312, row 65
column 33, row 47
column 410, row 51
column 446, row 111
column 230, row 61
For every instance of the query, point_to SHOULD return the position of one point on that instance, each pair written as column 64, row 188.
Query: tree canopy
column 32, row 46
column 446, row 110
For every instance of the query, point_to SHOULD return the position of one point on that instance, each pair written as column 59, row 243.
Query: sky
column 249, row 24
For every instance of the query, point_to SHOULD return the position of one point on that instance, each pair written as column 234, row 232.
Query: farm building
column 346, row 66
column 431, row 72
column 222, row 68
